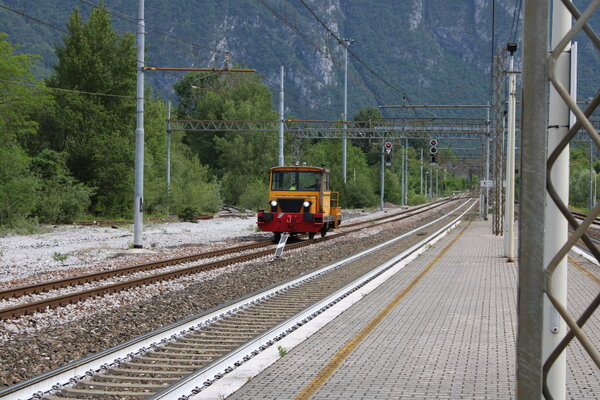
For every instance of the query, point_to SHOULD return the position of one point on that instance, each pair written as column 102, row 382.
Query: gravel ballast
column 34, row 344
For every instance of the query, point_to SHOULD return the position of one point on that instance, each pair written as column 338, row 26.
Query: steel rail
column 583, row 216
column 77, row 372
column 71, row 298
column 96, row 276
column 205, row 376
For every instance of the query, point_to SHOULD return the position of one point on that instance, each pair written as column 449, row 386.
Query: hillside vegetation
column 67, row 148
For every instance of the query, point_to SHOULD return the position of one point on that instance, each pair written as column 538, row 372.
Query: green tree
column 240, row 160
column 95, row 131
column 19, row 102
column 18, row 186
column 359, row 190
column 368, row 144
column 368, row 114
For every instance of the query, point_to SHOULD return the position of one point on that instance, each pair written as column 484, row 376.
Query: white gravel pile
column 69, row 247
column 73, row 250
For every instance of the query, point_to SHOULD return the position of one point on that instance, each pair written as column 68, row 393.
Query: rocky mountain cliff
column 421, row 51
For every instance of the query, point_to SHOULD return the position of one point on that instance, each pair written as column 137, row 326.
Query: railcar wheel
column 323, row 231
column 311, row 235
column 276, row 237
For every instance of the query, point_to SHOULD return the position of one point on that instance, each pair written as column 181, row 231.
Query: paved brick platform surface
column 451, row 337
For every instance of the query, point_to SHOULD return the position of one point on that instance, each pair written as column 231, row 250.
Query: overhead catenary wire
column 353, row 54
column 514, row 28
column 493, row 50
column 39, row 21
column 57, row 28
column 148, row 29
column 295, row 29
column 65, row 90
column 134, row 21
column 344, row 44
column 128, row 19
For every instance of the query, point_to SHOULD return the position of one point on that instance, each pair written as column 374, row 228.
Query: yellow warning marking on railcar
column 335, row 362
column 584, row 270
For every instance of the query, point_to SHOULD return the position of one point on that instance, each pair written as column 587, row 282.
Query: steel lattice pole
column 498, row 144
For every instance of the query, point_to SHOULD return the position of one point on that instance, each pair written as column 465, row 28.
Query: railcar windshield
column 297, row 180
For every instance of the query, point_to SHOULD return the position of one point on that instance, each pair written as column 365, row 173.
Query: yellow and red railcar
column 300, row 201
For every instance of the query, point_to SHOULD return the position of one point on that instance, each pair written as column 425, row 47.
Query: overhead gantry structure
column 465, row 137
column 384, row 130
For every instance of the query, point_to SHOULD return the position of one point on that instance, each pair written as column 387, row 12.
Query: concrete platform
column 443, row 327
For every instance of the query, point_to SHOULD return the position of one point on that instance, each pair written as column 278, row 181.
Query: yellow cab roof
column 299, row 168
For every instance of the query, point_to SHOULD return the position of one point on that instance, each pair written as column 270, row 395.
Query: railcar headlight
column 273, row 203
column 306, row 204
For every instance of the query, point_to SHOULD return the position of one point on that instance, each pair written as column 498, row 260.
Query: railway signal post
column 433, row 150
column 386, row 149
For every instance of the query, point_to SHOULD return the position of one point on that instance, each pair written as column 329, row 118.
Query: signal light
column 388, row 147
column 433, row 143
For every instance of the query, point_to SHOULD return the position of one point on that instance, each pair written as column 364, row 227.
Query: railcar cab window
column 299, row 180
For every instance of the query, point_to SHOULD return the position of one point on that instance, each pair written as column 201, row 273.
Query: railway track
column 182, row 358
column 76, row 296
column 582, row 216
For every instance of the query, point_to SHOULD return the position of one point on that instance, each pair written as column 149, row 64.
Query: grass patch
column 282, row 351
column 23, row 227
column 59, row 256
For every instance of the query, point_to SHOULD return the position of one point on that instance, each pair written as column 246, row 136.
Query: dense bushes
column 61, row 198
column 18, row 186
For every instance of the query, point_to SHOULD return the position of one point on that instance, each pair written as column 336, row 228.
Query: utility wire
column 66, row 90
column 134, row 21
column 47, row 87
column 343, row 43
column 515, row 22
column 39, row 21
column 312, row 44
column 176, row 48
column 493, row 50
column 295, row 29
column 371, row 70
